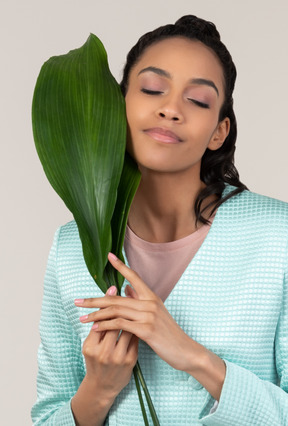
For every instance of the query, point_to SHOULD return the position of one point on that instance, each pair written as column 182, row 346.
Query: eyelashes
column 158, row 92
column 200, row 104
column 151, row 92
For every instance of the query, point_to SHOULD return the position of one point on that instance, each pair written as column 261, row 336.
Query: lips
column 163, row 135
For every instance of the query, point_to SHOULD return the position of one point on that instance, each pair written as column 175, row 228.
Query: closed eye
column 151, row 92
column 198, row 103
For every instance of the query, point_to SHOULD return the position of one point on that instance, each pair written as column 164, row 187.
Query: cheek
column 137, row 110
column 136, row 120
column 203, row 127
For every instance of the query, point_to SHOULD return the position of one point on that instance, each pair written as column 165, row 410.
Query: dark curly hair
column 217, row 167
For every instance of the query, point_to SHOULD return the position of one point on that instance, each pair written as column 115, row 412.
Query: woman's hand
column 110, row 358
column 144, row 315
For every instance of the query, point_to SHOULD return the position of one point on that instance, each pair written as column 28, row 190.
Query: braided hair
column 217, row 167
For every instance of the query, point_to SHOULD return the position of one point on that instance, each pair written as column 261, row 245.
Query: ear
column 220, row 134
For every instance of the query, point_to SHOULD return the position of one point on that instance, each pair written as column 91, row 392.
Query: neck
column 163, row 207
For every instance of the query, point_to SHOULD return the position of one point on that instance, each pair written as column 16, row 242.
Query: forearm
column 208, row 369
column 89, row 407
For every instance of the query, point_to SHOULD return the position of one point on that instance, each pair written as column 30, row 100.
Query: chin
column 157, row 167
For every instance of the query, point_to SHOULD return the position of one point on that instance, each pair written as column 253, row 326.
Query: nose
column 170, row 111
column 169, row 115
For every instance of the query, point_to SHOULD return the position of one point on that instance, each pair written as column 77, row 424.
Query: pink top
column 161, row 265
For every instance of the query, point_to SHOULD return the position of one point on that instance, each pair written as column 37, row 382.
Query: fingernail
column 83, row 318
column 78, row 301
column 112, row 256
column 112, row 290
column 127, row 291
column 95, row 326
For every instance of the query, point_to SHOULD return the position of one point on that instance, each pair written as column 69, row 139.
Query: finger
column 122, row 324
column 94, row 338
column 132, row 352
column 109, row 338
column 126, row 350
column 115, row 311
column 105, row 302
column 133, row 347
column 142, row 290
column 111, row 292
column 123, row 341
column 129, row 292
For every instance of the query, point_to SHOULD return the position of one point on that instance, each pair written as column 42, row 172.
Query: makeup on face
column 155, row 81
column 163, row 135
column 173, row 100
column 203, row 95
column 166, row 74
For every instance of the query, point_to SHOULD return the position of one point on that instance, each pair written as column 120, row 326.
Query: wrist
column 208, row 369
column 102, row 395
column 90, row 405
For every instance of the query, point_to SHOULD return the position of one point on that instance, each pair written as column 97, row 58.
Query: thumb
column 112, row 291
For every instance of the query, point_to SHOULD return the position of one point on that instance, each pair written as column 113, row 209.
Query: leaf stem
column 140, row 376
column 140, row 398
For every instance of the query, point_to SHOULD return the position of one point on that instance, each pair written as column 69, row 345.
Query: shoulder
column 70, row 263
column 253, row 219
column 66, row 238
column 254, row 207
column 69, row 231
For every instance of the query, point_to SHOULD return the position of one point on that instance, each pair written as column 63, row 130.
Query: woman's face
column 173, row 100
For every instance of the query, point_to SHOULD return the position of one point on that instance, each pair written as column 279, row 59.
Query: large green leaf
column 129, row 182
column 79, row 126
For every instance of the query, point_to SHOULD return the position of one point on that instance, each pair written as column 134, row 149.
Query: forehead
column 184, row 58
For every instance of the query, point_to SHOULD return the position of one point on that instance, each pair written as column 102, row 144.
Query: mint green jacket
column 232, row 298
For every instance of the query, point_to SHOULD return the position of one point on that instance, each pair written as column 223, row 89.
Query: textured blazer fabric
column 232, row 298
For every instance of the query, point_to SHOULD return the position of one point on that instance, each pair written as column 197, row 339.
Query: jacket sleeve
column 248, row 400
column 60, row 365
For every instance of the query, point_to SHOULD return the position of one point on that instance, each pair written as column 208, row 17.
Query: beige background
column 256, row 33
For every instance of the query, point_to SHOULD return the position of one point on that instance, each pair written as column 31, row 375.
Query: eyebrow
column 162, row 73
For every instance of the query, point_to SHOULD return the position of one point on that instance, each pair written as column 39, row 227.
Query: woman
column 206, row 312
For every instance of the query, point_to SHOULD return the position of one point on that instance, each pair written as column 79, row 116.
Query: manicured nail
column 112, row 290
column 83, row 318
column 95, row 326
column 78, row 301
column 112, row 256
